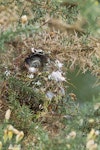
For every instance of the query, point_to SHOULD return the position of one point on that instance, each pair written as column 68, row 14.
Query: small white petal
column 7, row 73
column 31, row 76
column 50, row 95
column 62, row 90
column 38, row 83
column 58, row 64
column 97, row 132
column 10, row 147
column 57, row 76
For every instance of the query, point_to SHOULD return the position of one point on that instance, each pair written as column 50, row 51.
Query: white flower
column 31, row 76
column 57, row 76
column 62, row 90
column 38, row 83
column 50, row 95
column 58, row 64
column 7, row 73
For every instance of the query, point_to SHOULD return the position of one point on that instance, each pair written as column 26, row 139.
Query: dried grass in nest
column 74, row 54
column 72, row 51
column 63, row 27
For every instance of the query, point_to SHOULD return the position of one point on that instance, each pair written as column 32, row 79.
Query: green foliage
column 79, row 123
column 10, row 137
column 53, row 9
column 10, row 34
column 90, row 9
column 25, row 94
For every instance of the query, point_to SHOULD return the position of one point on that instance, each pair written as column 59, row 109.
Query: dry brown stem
column 61, row 26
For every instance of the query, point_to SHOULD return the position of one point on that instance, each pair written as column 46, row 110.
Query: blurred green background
column 83, row 85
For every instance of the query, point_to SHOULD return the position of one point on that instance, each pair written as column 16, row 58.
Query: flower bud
column 24, row 19
column 20, row 136
column 7, row 115
column 72, row 134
